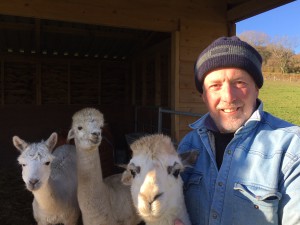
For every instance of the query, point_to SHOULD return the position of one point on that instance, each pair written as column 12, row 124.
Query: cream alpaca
column 156, row 186
column 102, row 202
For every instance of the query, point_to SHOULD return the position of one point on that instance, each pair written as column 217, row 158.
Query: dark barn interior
column 50, row 69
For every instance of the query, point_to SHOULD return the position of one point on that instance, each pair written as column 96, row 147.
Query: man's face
column 230, row 95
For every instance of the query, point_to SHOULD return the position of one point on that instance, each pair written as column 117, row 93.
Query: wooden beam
column 99, row 82
column 117, row 13
column 157, row 79
column 16, row 26
column 38, row 27
column 38, row 78
column 253, row 8
column 174, row 80
column 38, row 35
column 2, row 82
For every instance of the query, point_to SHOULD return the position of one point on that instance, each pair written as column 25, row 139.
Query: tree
column 259, row 41
column 255, row 38
column 277, row 52
column 282, row 52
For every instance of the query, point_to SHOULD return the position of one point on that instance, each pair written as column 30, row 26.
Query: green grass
column 282, row 99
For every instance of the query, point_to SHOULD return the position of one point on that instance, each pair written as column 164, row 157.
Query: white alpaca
column 102, row 202
column 156, row 186
column 51, row 177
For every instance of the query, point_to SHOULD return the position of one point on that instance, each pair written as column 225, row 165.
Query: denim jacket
column 259, row 180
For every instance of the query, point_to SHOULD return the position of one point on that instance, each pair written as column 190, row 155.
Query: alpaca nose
column 96, row 134
column 33, row 181
column 155, row 198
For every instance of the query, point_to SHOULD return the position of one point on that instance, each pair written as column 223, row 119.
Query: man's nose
column 228, row 93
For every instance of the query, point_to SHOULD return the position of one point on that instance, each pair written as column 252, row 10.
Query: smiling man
column 248, row 165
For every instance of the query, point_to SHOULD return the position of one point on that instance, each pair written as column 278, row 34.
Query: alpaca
column 156, row 186
column 102, row 201
column 50, row 174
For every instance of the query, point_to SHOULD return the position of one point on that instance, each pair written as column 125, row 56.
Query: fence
column 149, row 120
column 282, row 77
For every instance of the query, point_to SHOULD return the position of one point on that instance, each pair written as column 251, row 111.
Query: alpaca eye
column 47, row 163
column 135, row 171
column 79, row 128
column 23, row 165
column 176, row 173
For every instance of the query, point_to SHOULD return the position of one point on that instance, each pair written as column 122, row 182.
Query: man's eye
column 240, row 84
column 214, row 86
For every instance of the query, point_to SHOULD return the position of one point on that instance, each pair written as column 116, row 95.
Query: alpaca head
column 86, row 128
column 154, row 176
column 35, row 159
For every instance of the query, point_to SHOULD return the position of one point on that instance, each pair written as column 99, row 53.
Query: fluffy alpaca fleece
column 156, row 186
column 52, row 179
column 102, row 202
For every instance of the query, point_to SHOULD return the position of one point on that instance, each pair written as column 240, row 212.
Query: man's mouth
column 230, row 110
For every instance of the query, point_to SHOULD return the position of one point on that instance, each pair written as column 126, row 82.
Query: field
column 282, row 99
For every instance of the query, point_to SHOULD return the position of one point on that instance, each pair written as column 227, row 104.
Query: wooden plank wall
column 31, row 80
column 194, row 36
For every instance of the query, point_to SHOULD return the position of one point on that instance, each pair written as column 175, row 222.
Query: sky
column 281, row 21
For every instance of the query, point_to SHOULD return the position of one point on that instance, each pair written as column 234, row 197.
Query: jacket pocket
column 254, row 203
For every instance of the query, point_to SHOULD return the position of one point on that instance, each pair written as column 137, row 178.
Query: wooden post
column 38, row 84
column 157, row 79
column 69, row 82
column 2, row 82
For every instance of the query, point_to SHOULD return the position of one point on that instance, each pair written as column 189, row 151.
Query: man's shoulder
column 278, row 124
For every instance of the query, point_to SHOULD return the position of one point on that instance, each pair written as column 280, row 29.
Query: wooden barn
column 129, row 59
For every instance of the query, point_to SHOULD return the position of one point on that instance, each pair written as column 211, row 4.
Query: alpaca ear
column 71, row 135
column 126, row 178
column 19, row 143
column 189, row 158
column 51, row 141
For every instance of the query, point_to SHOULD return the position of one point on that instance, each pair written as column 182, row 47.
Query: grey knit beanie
column 228, row 52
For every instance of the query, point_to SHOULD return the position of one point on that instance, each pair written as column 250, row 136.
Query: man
column 248, row 165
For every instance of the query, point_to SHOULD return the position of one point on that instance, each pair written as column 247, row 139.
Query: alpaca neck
column 92, row 197
column 45, row 197
column 89, row 164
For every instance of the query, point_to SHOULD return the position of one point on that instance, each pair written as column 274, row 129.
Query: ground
column 15, row 200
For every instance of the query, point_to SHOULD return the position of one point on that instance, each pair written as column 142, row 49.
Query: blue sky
column 281, row 21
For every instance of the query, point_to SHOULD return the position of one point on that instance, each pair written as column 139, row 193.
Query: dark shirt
column 221, row 142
